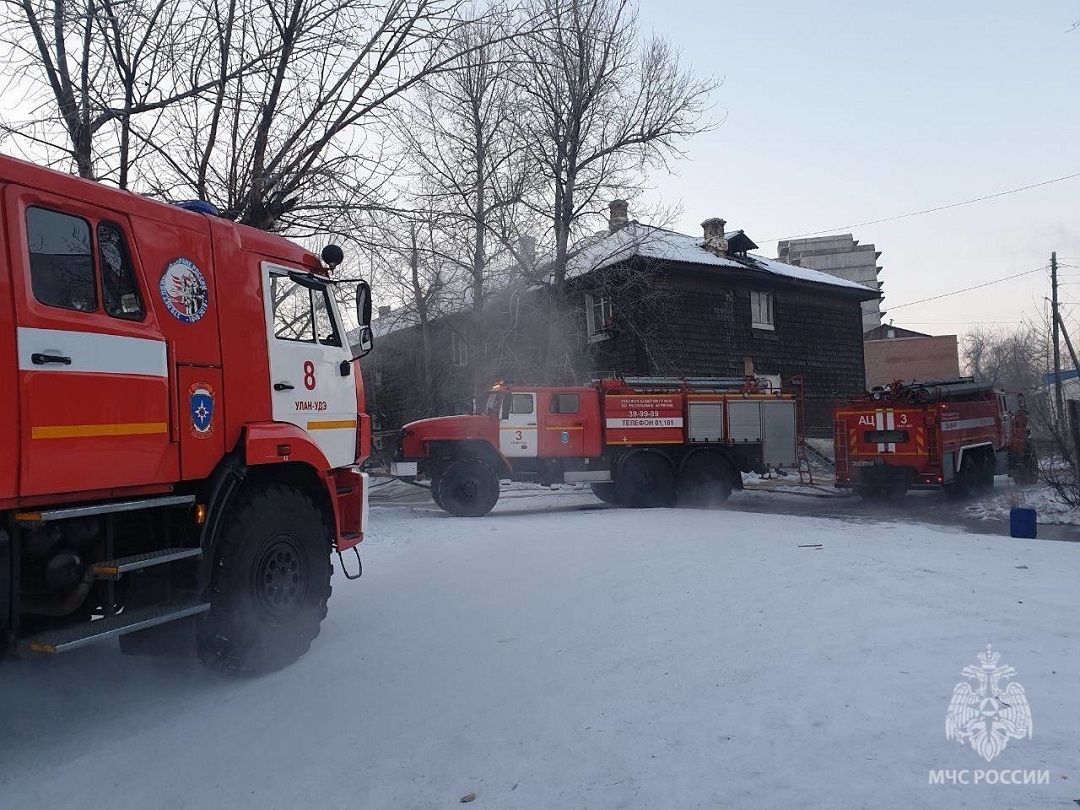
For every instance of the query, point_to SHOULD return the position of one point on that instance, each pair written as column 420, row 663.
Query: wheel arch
column 978, row 448
column 234, row 473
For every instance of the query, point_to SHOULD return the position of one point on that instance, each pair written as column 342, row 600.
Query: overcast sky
column 839, row 113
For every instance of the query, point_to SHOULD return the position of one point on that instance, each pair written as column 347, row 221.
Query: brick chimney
column 617, row 216
column 714, row 235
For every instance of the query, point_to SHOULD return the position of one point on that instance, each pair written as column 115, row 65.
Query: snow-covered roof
column 660, row 244
column 635, row 240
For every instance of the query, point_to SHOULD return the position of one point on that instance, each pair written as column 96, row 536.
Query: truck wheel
column 468, row 488
column 706, row 480
column 270, row 582
column 645, row 480
column 987, row 468
column 606, row 492
column 436, row 492
column 968, row 478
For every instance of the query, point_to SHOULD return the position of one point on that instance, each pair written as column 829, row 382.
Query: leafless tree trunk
column 601, row 105
column 466, row 162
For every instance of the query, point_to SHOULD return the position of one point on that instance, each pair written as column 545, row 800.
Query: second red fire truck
column 638, row 441
column 954, row 435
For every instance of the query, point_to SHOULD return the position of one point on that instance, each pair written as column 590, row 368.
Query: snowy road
column 554, row 655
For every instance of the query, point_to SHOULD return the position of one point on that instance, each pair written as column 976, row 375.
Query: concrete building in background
column 892, row 353
column 840, row 256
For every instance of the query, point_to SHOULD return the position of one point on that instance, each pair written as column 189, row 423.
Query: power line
column 966, row 289
column 932, row 210
column 956, row 323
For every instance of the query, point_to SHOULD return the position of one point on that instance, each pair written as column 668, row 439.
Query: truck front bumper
column 403, row 469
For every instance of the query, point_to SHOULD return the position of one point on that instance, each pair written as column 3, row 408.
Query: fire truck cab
column 181, row 416
column 638, row 441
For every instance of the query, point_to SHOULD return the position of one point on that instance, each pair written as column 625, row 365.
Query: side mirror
column 365, row 341
column 363, row 304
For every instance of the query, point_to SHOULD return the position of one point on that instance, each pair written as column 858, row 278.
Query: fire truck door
column 311, row 384
column 517, row 427
column 93, row 371
column 563, row 430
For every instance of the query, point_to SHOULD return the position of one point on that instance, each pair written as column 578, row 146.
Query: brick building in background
column 893, row 353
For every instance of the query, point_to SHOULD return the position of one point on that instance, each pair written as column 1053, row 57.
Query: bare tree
column 304, row 142
column 90, row 68
column 601, row 106
column 1013, row 360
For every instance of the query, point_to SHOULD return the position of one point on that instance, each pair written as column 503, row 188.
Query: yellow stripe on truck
column 87, row 431
column 331, row 424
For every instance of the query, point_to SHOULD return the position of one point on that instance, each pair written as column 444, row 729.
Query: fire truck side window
column 293, row 319
column 521, row 403
column 118, row 285
column 565, row 403
column 61, row 264
column 325, row 330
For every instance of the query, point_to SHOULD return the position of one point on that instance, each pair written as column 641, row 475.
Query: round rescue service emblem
column 201, row 406
column 564, row 437
column 184, row 291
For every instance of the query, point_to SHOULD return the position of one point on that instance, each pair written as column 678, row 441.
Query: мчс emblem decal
column 184, row 290
column 989, row 709
column 201, row 407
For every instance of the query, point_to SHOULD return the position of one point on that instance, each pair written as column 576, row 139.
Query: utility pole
column 1059, row 398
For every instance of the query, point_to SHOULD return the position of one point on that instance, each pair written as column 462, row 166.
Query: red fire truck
column 181, row 416
column 950, row 434
column 638, row 441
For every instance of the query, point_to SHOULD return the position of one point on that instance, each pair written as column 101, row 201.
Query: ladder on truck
column 806, row 475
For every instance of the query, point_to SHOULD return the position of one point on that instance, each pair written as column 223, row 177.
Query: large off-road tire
column 645, row 480
column 605, row 491
column 270, row 582
column 436, row 491
column 970, row 478
column 706, row 479
column 468, row 488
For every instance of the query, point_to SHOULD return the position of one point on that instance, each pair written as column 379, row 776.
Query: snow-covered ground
column 1049, row 508
column 560, row 653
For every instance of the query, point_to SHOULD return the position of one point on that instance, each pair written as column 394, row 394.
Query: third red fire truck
column 949, row 434
column 639, row 441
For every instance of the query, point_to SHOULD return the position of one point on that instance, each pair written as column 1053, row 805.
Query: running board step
column 32, row 517
column 114, row 569
column 70, row 638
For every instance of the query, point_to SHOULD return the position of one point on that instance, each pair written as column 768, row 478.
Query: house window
column 459, row 349
column 761, row 310
column 597, row 316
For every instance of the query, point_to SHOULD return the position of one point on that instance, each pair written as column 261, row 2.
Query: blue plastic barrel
column 1022, row 523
